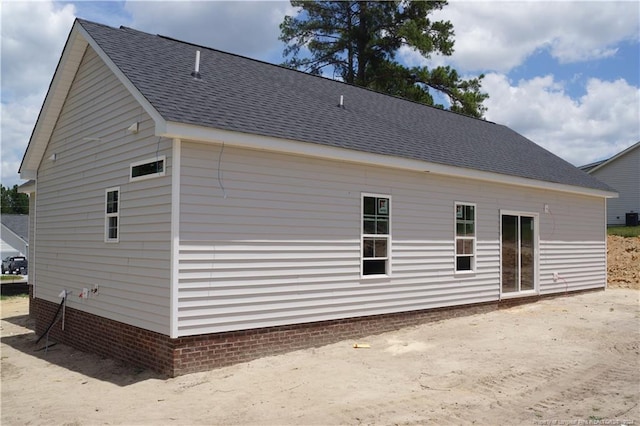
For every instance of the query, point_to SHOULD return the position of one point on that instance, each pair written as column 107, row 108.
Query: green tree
column 12, row 201
column 359, row 41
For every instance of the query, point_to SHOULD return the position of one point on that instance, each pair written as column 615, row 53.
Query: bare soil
column 623, row 258
column 566, row 360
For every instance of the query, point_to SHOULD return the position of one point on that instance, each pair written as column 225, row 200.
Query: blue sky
column 565, row 74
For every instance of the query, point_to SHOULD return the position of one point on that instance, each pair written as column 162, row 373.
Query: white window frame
column 536, row 257
column 456, row 238
column 109, row 215
column 162, row 158
column 387, row 237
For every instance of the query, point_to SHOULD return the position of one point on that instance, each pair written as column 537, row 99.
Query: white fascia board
column 28, row 187
column 27, row 173
column 6, row 230
column 615, row 157
column 175, row 237
column 246, row 140
column 59, row 88
column 146, row 105
column 56, row 96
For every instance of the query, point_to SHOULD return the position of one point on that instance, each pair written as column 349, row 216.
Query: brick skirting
column 175, row 357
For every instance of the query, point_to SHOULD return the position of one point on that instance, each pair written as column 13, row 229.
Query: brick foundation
column 174, row 357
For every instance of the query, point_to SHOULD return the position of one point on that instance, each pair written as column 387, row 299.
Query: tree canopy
column 12, row 201
column 359, row 41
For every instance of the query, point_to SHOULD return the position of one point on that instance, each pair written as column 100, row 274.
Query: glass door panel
column 527, row 260
column 510, row 272
column 518, row 253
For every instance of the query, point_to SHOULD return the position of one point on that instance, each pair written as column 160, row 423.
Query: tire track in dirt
column 545, row 393
column 601, row 381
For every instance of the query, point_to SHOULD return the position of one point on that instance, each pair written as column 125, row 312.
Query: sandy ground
column 623, row 259
column 567, row 360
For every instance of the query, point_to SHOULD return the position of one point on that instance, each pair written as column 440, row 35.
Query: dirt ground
column 623, row 258
column 566, row 360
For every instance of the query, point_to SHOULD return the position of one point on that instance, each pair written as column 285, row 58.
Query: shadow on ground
column 23, row 339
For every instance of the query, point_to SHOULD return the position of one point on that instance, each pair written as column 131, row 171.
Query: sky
column 564, row 74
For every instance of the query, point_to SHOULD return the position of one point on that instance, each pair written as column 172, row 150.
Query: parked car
column 14, row 265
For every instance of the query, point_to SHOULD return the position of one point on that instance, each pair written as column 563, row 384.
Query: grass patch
column 624, row 231
column 13, row 296
column 11, row 277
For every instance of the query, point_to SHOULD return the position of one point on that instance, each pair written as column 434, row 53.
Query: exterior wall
column 32, row 232
column 572, row 243
column 622, row 174
column 271, row 239
column 174, row 357
column 92, row 333
column 93, row 152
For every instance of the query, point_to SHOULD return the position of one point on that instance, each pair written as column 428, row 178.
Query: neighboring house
column 15, row 235
column 621, row 172
column 256, row 209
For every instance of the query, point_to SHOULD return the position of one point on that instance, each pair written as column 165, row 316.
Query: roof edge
column 615, row 157
column 63, row 77
column 28, row 187
column 201, row 46
column 144, row 102
column 269, row 143
column 7, row 229
column 58, row 87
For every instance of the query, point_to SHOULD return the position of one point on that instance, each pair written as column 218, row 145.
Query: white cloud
column 248, row 28
column 34, row 33
column 18, row 119
column 33, row 36
column 496, row 36
column 499, row 36
column 599, row 124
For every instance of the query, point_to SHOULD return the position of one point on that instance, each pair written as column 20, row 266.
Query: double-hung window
column 112, row 215
column 376, row 227
column 465, row 221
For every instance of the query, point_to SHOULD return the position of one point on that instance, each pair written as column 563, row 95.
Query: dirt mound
column 623, row 259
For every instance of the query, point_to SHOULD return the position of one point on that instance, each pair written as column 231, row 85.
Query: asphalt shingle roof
column 18, row 223
column 244, row 95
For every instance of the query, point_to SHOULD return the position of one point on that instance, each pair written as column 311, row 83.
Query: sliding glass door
column 518, row 253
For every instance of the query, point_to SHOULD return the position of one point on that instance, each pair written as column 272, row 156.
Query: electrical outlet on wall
column 555, row 277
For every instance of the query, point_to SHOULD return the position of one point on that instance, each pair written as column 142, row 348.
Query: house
column 622, row 172
column 202, row 208
column 14, row 239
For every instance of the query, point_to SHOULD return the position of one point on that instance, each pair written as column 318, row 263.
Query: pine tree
column 359, row 41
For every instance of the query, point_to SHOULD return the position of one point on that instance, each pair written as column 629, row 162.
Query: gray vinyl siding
column 32, row 232
column 573, row 244
column 623, row 175
column 133, row 274
column 283, row 246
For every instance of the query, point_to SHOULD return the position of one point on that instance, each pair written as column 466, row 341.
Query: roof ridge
column 313, row 75
column 262, row 98
column 606, row 161
column 437, row 108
